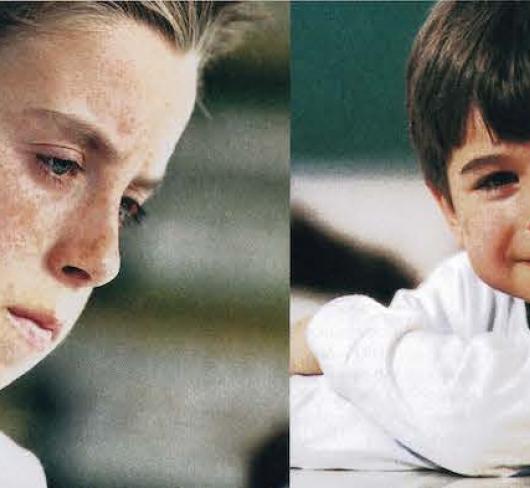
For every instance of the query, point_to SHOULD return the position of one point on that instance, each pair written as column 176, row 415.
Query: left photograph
column 145, row 188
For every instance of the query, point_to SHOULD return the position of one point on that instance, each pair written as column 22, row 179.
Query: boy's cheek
column 459, row 236
column 490, row 241
column 481, row 237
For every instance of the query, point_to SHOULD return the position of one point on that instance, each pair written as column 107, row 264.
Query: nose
column 86, row 251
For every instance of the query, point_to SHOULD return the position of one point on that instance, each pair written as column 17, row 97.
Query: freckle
column 126, row 123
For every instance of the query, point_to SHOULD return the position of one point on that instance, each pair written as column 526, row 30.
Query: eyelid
column 496, row 181
column 59, row 152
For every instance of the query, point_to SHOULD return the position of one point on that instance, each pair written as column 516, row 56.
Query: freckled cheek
column 26, row 223
column 488, row 233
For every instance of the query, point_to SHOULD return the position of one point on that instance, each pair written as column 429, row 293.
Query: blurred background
column 362, row 219
column 176, row 373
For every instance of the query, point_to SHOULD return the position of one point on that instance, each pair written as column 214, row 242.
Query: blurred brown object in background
column 327, row 263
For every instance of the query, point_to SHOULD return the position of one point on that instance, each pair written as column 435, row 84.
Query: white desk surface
column 301, row 478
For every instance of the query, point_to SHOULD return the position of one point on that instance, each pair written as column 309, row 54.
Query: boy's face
column 489, row 183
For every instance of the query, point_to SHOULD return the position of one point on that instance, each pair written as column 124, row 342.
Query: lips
column 38, row 327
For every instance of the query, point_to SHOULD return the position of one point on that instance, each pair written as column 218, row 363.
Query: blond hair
column 210, row 28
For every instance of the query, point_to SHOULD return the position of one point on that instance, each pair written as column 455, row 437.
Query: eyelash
column 45, row 162
column 496, row 181
column 131, row 212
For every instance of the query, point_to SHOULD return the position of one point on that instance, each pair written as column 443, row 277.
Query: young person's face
column 88, row 121
column 490, row 214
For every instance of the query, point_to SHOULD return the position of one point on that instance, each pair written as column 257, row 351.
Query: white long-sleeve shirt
column 439, row 379
column 19, row 468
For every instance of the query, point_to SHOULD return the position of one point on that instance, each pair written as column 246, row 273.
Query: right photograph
column 410, row 243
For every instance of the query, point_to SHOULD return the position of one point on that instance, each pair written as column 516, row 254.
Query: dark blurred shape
column 331, row 264
column 269, row 466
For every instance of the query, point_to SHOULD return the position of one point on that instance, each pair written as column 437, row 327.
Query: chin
column 8, row 374
column 16, row 361
column 525, row 295
column 519, row 285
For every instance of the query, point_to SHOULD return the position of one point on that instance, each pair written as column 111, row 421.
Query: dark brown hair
column 467, row 55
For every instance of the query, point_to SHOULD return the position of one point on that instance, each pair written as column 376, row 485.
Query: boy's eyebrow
column 479, row 161
column 83, row 132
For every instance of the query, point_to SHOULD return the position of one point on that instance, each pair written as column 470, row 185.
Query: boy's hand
column 302, row 360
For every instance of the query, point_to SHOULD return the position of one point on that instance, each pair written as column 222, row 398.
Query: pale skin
column 488, row 213
column 87, row 125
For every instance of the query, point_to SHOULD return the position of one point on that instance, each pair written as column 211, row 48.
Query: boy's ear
column 448, row 212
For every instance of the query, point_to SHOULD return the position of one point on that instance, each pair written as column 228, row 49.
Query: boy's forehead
column 476, row 130
column 478, row 140
column 480, row 146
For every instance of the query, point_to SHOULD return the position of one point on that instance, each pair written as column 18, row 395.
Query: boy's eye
column 497, row 180
column 58, row 166
column 131, row 212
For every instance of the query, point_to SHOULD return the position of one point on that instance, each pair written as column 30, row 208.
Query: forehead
column 122, row 78
column 477, row 141
column 476, row 130
column 482, row 149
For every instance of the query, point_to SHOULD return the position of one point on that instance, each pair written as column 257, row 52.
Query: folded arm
column 444, row 372
column 461, row 403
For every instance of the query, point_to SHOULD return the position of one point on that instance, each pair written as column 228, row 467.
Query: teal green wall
column 347, row 79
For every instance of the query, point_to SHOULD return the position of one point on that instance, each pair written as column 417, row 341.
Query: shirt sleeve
column 449, row 392
column 19, row 468
column 329, row 432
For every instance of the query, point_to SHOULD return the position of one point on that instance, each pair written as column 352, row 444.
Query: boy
column 441, row 378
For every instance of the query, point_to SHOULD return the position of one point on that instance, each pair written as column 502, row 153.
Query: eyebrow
column 480, row 161
column 84, row 133
column 90, row 136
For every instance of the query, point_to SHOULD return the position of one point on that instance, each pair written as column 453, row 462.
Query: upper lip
column 43, row 319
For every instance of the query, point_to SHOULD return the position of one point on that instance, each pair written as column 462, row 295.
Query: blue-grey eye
column 58, row 166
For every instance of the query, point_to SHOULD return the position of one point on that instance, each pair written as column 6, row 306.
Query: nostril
column 73, row 272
